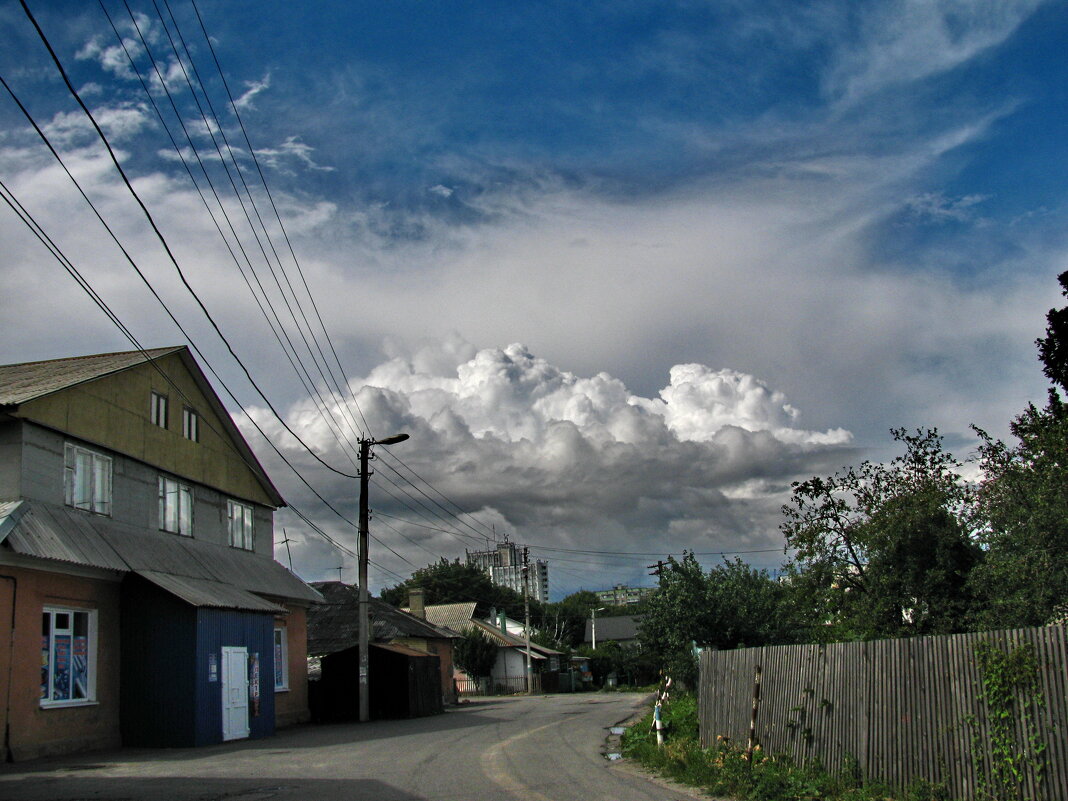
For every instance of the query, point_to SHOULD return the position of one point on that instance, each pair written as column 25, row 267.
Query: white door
column 235, row 693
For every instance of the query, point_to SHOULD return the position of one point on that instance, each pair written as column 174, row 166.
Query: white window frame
column 87, row 479
column 190, row 424
column 50, row 663
column 281, row 659
column 240, row 522
column 175, row 506
column 159, row 409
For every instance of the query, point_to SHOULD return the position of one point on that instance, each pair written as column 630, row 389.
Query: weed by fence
column 906, row 709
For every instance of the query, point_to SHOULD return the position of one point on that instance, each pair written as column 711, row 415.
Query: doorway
column 234, row 693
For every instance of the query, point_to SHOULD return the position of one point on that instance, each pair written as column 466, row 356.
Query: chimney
column 503, row 621
column 415, row 602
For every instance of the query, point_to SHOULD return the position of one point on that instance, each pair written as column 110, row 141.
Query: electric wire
column 203, row 199
column 159, row 235
column 237, row 169
column 30, row 221
column 274, row 207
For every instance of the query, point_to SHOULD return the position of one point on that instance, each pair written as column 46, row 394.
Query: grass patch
column 725, row 771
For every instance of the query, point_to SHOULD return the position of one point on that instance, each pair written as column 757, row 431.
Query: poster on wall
column 61, row 670
column 254, row 683
column 46, row 648
column 80, row 667
column 213, row 667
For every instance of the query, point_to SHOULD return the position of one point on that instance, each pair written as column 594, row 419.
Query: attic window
column 190, row 424
column 159, row 410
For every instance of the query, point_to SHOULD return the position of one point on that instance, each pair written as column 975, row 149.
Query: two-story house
column 137, row 571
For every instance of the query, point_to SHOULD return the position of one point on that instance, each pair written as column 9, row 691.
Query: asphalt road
column 546, row 748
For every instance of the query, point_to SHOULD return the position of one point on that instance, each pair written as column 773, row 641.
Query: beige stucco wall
column 114, row 412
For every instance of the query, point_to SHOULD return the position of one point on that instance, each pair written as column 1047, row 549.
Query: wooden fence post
column 752, row 719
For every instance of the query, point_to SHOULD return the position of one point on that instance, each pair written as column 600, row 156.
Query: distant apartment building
column 504, row 566
column 622, row 595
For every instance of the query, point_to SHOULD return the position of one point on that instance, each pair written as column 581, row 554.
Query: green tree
column 475, row 654
column 1053, row 348
column 1023, row 504
column 565, row 621
column 884, row 550
column 448, row 582
column 1023, row 500
column 732, row 605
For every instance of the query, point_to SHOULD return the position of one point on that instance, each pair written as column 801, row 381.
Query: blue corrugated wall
column 254, row 631
column 168, row 697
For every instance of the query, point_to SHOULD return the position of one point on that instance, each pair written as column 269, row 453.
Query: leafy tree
column 448, row 582
column 565, row 621
column 1053, row 348
column 1023, row 500
column 731, row 606
column 1023, row 503
column 884, row 550
column 475, row 654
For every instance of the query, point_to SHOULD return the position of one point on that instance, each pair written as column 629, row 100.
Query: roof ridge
column 160, row 351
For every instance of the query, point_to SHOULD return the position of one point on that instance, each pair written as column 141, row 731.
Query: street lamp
column 364, row 622
column 593, row 625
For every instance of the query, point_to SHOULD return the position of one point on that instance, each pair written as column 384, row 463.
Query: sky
column 622, row 270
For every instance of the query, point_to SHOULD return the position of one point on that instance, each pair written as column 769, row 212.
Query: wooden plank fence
column 897, row 709
column 510, row 685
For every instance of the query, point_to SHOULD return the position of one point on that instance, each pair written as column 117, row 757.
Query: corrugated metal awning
column 211, row 594
column 68, row 535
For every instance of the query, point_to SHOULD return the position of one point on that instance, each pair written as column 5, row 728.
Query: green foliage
column 1053, row 348
column 564, row 622
column 733, row 605
column 726, row 771
column 883, row 550
column 448, row 582
column 1013, row 752
column 633, row 666
column 475, row 654
column 1023, row 508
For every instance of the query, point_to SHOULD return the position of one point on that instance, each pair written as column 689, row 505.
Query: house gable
column 112, row 410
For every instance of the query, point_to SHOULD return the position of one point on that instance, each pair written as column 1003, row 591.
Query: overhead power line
column 159, row 235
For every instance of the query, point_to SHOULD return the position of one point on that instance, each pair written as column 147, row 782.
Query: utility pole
column 526, row 614
column 593, row 624
column 362, row 541
column 361, row 548
column 657, row 570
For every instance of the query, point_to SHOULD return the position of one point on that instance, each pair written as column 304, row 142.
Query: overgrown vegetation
column 725, row 770
column 1012, row 756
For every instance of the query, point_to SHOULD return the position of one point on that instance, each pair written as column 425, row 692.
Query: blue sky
column 771, row 231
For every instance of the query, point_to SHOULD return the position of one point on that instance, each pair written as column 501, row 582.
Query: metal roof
column 620, row 628
column 399, row 649
column 460, row 617
column 457, row 617
column 63, row 534
column 202, row 592
column 28, row 380
column 333, row 625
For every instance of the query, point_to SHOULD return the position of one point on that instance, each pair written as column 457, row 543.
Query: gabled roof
column 31, row 380
column 619, row 628
column 457, row 617
column 333, row 625
column 461, row 617
column 201, row 573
